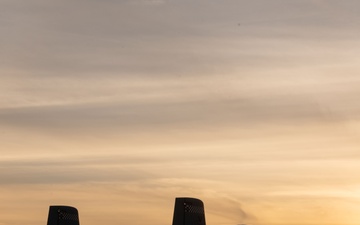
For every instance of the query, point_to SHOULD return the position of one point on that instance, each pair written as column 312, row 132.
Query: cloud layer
column 117, row 107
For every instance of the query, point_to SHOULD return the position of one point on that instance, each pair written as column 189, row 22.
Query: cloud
column 130, row 40
column 150, row 2
column 72, row 173
column 172, row 112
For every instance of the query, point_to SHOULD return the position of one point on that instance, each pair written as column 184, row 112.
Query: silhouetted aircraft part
column 189, row 211
column 63, row 215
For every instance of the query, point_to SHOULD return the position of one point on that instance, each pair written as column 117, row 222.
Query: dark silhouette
column 63, row 215
column 189, row 211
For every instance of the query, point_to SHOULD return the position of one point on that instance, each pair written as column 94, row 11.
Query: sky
column 117, row 107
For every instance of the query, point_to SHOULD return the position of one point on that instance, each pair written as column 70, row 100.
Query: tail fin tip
column 63, row 215
column 189, row 211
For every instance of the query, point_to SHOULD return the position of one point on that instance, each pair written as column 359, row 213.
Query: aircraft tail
column 63, row 215
column 189, row 211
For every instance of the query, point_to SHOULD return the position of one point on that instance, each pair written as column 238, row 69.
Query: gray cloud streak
column 274, row 109
column 126, row 116
column 62, row 172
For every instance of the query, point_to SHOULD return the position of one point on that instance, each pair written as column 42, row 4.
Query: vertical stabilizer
column 63, row 215
column 189, row 211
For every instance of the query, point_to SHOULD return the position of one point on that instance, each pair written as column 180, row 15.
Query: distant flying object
column 187, row 211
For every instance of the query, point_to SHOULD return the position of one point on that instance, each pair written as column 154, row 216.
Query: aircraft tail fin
column 189, row 211
column 63, row 215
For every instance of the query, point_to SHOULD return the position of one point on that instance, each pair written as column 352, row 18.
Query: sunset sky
column 117, row 107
